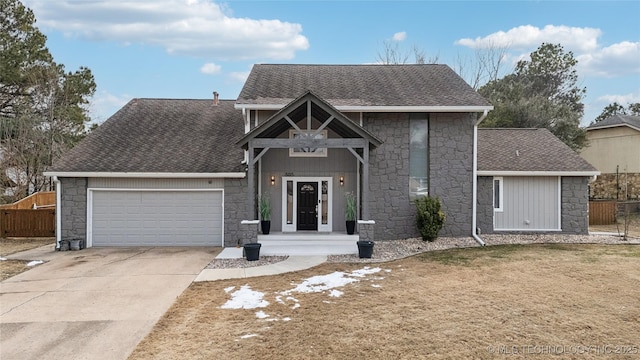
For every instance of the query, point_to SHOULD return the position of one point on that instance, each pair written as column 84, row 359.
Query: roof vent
column 215, row 98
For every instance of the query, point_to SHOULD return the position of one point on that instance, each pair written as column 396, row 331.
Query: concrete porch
column 300, row 244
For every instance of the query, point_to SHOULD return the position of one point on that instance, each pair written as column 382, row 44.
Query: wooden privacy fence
column 602, row 212
column 39, row 199
column 27, row 223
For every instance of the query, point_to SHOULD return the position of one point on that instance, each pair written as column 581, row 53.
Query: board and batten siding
column 529, row 203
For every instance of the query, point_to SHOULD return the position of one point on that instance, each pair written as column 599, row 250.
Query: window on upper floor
column 418, row 155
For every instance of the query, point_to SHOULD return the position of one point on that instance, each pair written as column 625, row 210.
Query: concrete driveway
column 94, row 303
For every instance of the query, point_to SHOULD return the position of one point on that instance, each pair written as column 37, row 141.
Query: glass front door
column 306, row 204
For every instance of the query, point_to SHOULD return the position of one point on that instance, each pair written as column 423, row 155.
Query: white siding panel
column 156, row 218
column 530, row 203
column 154, row 183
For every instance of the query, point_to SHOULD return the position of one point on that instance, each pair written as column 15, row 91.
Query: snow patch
column 335, row 293
column 261, row 314
column 245, row 298
column 35, row 262
column 376, row 285
column 3, row 259
column 248, row 336
column 229, row 289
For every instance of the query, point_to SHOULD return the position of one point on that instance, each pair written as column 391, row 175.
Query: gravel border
column 389, row 250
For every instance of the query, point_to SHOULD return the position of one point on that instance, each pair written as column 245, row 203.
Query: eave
column 161, row 175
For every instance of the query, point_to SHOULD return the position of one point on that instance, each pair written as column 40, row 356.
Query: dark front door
column 307, row 206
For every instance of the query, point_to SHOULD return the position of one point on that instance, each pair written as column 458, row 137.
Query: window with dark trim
column 418, row 155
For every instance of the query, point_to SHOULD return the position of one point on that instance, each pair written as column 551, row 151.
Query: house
column 614, row 149
column 529, row 180
column 188, row 172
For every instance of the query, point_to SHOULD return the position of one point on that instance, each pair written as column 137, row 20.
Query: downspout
column 474, row 229
column 58, row 211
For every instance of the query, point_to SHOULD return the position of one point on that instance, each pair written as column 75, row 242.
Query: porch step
column 302, row 244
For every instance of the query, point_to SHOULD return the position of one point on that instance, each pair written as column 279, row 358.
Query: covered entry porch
column 303, row 160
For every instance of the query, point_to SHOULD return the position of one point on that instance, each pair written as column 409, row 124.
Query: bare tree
column 486, row 65
column 392, row 54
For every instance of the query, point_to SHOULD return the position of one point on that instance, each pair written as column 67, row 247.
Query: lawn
column 9, row 268
column 542, row 301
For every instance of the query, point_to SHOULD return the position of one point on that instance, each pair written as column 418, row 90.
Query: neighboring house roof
column 527, row 152
column 617, row 120
column 162, row 136
column 431, row 87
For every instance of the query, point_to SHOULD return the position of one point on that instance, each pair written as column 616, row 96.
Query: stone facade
column 575, row 204
column 366, row 230
column 450, row 172
column 484, row 207
column 235, row 210
column 620, row 186
column 451, row 169
column 73, row 208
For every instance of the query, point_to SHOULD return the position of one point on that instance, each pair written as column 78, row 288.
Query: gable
column 308, row 104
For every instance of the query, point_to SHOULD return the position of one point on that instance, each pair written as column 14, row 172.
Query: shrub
column 350, row 207
column 265, row 207
column 430, row 218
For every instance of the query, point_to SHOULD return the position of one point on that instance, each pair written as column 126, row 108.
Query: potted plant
column 350, row 212
column 265, row 213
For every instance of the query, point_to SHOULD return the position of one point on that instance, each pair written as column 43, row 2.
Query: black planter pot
column 266, row 226
column 351, row 226
column 365, row 249
column 252, row 251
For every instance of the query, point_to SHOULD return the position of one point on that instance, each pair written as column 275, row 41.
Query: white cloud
column 210, row 69
column 623, row 100
column 240, row 76
column 615, row 60
column 104, row 104
column 400, row 36
column 188, row 27
column 526, row 36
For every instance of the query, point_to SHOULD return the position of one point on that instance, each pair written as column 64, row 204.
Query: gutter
column 474, row 229
column 58, row 211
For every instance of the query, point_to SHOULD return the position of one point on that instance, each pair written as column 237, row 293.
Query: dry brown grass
column 9, row 268
column 453, row 304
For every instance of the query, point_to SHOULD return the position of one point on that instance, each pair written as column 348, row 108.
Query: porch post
column 251, row 183
column 365, row 182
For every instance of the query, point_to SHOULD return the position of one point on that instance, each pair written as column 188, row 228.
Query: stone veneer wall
column 616, row 187
column 484, row 205
column 451, row 173
column 389, row 204
column 451, row 169
column 73, row 208
column 575, row 204
column 235, row 210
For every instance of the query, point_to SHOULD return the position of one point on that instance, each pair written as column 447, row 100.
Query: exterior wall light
column 273, row 180
column 341, row 180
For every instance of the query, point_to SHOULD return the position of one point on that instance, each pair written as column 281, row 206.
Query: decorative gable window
column 307, row 152
column 418, row 155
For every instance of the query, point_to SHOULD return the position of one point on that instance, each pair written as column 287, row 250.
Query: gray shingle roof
column 162, row 135
column 360, row 85
column 617, row 120
column 526, row 150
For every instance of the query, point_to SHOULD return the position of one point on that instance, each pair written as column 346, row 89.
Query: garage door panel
column 157, row 218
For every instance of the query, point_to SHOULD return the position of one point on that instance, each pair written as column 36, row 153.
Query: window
column 497, row 194
column 307, row 152
column 418, row 155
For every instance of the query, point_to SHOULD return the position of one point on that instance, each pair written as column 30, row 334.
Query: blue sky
column 190, row 48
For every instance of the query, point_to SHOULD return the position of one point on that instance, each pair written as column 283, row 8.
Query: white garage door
column 156, row 218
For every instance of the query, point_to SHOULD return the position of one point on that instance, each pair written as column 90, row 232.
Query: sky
column 187, row 49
